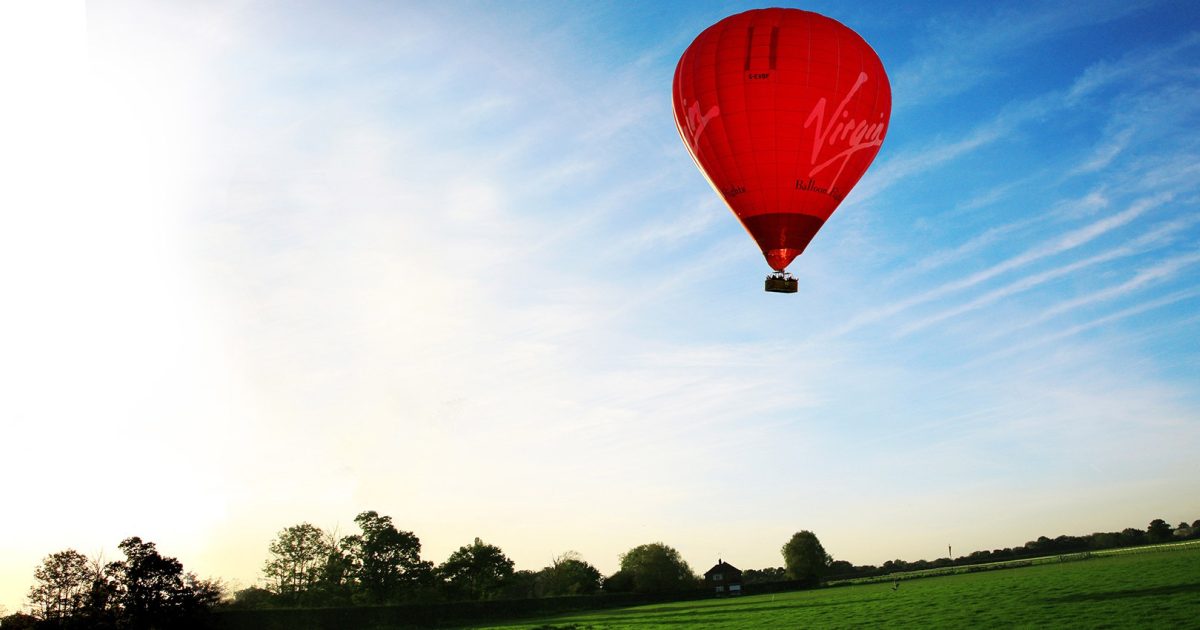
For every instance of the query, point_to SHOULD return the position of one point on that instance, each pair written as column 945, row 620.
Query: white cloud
column 960, row 51
column 1105, row 153
column 1024, row 284
column 1155, row 273
column 1047, row 248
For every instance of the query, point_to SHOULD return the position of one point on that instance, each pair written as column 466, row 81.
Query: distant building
column 724, row 579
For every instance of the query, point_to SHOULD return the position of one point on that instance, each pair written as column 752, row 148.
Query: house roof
column 722, row 567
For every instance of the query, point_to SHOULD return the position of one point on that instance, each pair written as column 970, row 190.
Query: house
column 724, row 579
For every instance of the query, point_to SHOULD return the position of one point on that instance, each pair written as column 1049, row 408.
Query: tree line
column 144, row 590
column 1158, row 531
column 308, row 567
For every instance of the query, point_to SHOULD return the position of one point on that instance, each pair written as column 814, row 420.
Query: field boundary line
column 1075, row 556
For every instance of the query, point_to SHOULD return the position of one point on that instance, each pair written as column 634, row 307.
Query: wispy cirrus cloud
column 975, row 244
column 1135, row 66
column 1161, row 236
column 1159, row 272
column 1050, row 247
column 1076, row 329
column 1013, row 288
column 1105, row 153
column 1014, row 116
column 961, row 50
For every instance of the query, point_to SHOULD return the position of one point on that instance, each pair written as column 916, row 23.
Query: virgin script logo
column 856, row 134
column 696, row 122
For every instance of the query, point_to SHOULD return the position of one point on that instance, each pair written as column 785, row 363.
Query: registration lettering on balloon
column 860, row 133
column 697, row 122
column 811, row 185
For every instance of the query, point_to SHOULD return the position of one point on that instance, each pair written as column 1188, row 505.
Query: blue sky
column 285, row 262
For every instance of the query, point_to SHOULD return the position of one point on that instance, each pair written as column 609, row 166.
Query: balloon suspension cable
column 781, row 282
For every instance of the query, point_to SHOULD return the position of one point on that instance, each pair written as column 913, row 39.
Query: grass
column 1022, row 562
column 1159, row 590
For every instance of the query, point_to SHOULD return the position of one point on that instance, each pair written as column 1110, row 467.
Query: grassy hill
column 1141, row 590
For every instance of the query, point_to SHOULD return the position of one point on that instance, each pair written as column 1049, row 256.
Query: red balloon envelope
column 783, row 110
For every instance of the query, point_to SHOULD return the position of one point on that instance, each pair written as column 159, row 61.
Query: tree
column 843, row 567
column 298, row 557
column 657, row 568
column 337, row 582
column 18, row 621
column 619, row 582
column 386, row 561
column 200, row 594
column 153, row 591
column 477, row 571
column 253, row 597
column 759, row 576
column 568, row 574
column 804, row 558
column 1131, row 536
column 520, row 585
column 1104, row 540
column 1040, row 546
column 102, row 604
column 1158, row 531
column 62, row 584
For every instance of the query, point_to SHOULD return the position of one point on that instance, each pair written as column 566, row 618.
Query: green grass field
column 1145, row 590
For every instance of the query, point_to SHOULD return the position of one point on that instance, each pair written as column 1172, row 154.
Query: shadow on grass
column 674, row 616
column 1127, row 593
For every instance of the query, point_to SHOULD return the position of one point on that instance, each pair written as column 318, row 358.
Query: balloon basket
column 781, row 282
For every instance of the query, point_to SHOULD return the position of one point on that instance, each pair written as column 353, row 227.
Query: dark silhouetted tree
column 1158, row 531
column 336, row 583
column 153, row 591
column 1131, row 536
column 102, row 604
column 657, row 568
column 760, row 576
column 477, row 571
column 841, row 567
column 62, row 585
column 386, row 561
column 520, row 585
column 253, row 597
column 298, row 558
column 619, row 582
column 19, row 621
column 569, row 574
column 805, row 559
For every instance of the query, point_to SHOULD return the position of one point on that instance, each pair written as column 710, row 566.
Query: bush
column 18, row 621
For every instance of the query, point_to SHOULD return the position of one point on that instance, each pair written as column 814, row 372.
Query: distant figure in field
column 896, row 584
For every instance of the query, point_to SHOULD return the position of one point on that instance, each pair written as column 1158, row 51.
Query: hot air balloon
column 782, row 110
